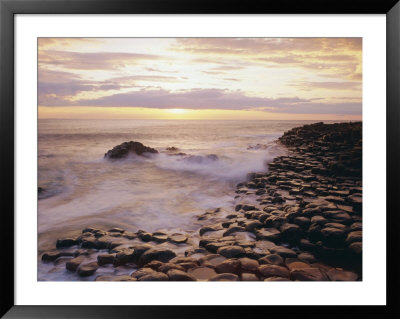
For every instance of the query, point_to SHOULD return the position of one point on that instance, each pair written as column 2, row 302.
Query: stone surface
column 123, row 150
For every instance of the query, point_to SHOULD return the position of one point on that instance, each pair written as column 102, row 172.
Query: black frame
column 10, row 7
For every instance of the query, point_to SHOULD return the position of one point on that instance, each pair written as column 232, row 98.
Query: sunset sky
column 200, row 78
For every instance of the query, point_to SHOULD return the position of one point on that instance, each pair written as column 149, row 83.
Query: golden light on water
column 177, row 111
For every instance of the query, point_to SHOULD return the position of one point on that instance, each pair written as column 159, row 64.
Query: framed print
column 203, row 155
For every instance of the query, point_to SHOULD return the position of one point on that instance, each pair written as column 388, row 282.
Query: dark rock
column 231, row 251
column 248, row 277
column 73, row 264
column 273, row 270
column 155, row 276
column 341, row 275
column 224, row 277
column 249, row 265
column 157, row 253
column 155, row 265
column 283, row 252
column 122, row 150
column 105, row 259
column 272, row 259
column 114, row 278
column 308, row 274
column 66, row 242
column 202, row 273
column 53, row 255
column 229, row 266
column 178, row 275
column 178, row 238
column 85, row 270
column 167, row 267
column 355, row 236
column 268, row 234
column 123, row 257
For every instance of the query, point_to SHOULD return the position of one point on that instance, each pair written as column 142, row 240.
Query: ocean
column 161, row 192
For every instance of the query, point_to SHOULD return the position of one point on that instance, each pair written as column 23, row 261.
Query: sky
column 200, row 78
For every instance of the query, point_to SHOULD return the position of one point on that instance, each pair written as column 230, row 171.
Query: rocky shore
column 301, row 221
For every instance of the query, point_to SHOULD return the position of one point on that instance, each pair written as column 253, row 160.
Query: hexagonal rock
column 224, row 277
column 53, row 255
column 232, row 230
column 105, row 259
column 178, row 238
column 208, row 228
column 73, row 264
column 338, row 216
column 356, row 247
column 85, row 270
column 155, row 265
column 268, row 234
column 178, row 275
column 272, row 259
column 249, row 265
column 229, row 266
column 169, row 266
column 159, row 237
column 294, row 263
column 283, row 252
column 333, row 235
column 307, row 257
column 276, row 278
column 142, row 272
column 231, row 251
column 202, row 273
column 123, row 257
column 248, row 277
column 341, row 275
column 114, row 278
column 66, row 242
column 157, row 253
column 354, row 236
column 308, row 274
column 273, row 270
column 155, row 276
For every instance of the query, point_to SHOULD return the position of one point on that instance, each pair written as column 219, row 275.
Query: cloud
column 92, row 60
column 198, row 99
column 59, row 86
column 308, row 85
column 331, row 57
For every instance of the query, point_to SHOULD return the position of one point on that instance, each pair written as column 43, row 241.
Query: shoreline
column 294, row 222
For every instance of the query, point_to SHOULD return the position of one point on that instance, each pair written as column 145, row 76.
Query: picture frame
column 8, row 10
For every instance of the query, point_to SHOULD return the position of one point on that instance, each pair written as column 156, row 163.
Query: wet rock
column 142, row 272
column 294, row 263
column 202, row 273
column 248, row 265
column 124, row 149
column 253, row 225
column 275, row 278
column 273, row 270
column 229, row 266
column 114, row 278
column 159, row 237
column 116, row 230
column 178, row 238
column 157, row 253
column 341, row 275
column 209, row 228
column 248, row 277
column 167, row 267
column 53, row 255
column 105, row 259
column 155, row 276
column 139, row 250
column 338, row 216
column 231, row 251
column 272, row 259
column 178, row 275
column 232, row 230
column 308, row 274
column 73, row 264
column 66, row 242
column 224, row 277
column 155, row 265
column 144, row 236
column 355, row 236
column 85, row 270
column 123, row 257
column 290, row 232
column 284, row 252
column 268, row 234
column 356, row 247
column 307, row 257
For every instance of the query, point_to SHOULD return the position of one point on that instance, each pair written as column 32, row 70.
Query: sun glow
column 177, row 111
